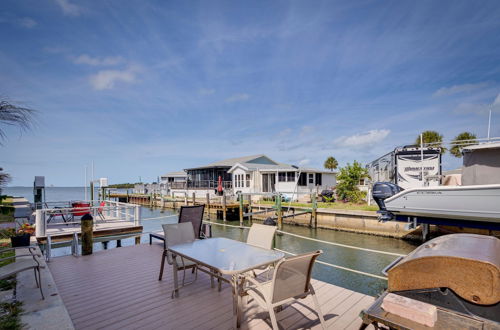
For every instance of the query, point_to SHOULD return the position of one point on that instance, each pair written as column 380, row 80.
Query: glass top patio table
column 227, row 256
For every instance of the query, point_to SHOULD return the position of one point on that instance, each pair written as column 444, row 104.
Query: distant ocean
column 52, row 194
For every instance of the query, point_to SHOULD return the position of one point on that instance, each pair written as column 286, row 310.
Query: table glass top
column 226, row 255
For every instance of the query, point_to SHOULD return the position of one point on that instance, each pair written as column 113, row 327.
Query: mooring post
column 207, row 207
column 87, row 226
column 137, row 240
column 314, row 215
column 194, row 198
column 279, row 211
column 224, row 206
column 240, row 198
column 250, row 208
column 118, row 243
column 185, row 198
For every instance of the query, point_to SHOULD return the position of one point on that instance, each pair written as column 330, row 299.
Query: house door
column 268, row 182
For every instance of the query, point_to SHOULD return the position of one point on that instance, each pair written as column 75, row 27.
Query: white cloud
column 237, row 98
column 69, row 8
column 27, row 22
column 457, row 89
column 97, row 61
column 107, row 79
column 363, row 139
column 206, row 91
column 480, row 109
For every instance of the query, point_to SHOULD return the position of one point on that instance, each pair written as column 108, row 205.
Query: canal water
column 369, row 262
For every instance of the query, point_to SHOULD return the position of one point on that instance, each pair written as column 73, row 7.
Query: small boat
column 477, row 200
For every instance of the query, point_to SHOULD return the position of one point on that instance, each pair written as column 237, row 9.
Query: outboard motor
column 382, row 191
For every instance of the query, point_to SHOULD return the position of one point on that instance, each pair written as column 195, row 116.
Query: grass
column 10, row 315
column 334, row 206
column 6, row 209
column 10, row 283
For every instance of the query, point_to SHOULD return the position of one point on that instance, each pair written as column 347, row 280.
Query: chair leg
column 219, row 283
column 272, row 314
column 318, row 308
column 36, row 278
column 162, row 266
column 40, row 283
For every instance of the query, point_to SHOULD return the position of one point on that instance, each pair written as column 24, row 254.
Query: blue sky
column 146, row 87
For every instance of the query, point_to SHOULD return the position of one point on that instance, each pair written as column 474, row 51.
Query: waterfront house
column 249, row 174
column 265, row 175
column 174, row 180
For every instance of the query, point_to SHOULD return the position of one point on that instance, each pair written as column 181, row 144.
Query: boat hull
column 473, row 203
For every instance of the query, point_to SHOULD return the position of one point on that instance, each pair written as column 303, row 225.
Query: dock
column 119, row 289
column 110, row 218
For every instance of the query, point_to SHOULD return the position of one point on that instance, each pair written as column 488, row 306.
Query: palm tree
column 462, row 140
column 331, row 163
column 14, row 115
column 431, row 139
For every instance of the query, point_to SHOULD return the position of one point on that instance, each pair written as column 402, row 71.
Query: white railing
column 62, row 214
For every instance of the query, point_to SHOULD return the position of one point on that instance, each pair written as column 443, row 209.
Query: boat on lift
column 474, row 203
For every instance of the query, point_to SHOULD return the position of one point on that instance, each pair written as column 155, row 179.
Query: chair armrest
column 13, row 257
column 253, row 281
column 30, row 248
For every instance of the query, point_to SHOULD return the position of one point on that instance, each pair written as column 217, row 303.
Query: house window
column 311, row 178
column 282, row 176
column 290, row 176
column 319, row 178
column 303, row 179
column 248, row 180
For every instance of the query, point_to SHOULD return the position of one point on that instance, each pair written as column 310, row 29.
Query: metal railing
column 59, row 214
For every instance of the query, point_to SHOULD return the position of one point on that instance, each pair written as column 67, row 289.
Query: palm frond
column 14, row 115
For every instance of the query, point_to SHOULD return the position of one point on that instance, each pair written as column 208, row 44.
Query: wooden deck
column 119, row 289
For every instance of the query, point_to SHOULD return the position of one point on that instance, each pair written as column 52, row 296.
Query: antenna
column 422, row 156
column 489, row 124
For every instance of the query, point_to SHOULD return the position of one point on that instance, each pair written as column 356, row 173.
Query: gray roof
column 487, row 145
column 282, row 167
column 230, row 162
column 175, row 174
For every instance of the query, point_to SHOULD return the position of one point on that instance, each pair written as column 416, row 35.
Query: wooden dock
column 119, row 289
column 112, row 226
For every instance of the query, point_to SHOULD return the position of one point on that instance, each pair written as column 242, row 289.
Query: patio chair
column 193, row 214
column 100, row 209
column 291, row 281
column 178, row 233
column 261, row 236
column 22, row 262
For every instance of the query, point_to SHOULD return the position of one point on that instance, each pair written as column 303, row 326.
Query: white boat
column 477, row 199
column 477, row 203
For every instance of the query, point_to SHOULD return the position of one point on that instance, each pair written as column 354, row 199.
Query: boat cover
column 468, row 264
column 481, row 167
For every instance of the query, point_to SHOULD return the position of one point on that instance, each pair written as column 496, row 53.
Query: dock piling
column 224, row 210
column 194, row 198
column 314, row 215
column 279, row 212
column 87, row 226
column 207, row 206
column 240, row 199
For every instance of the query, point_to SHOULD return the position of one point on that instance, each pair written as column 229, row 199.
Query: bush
column 349, row 178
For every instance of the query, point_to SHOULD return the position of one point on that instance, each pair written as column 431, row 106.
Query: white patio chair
column 291, row 281
column 178, row 233
column 261, row 236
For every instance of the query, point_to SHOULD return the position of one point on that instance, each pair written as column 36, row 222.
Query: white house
column 264, row 175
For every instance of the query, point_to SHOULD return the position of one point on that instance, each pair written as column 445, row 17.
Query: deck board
column 119, row 289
